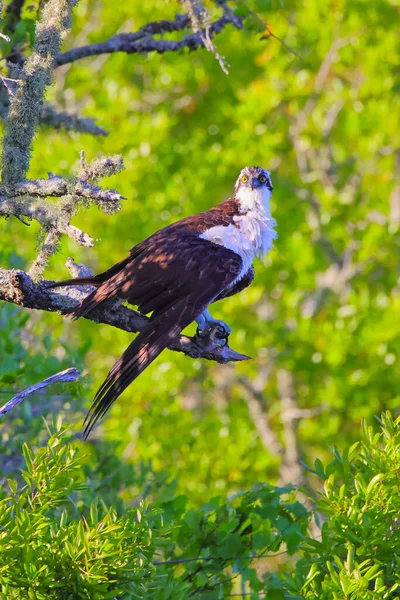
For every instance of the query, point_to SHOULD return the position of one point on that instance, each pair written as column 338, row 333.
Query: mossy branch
column 28, row 199
column 62, row 120
column 27, row 102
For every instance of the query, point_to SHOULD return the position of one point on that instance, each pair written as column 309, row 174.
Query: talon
column 221, row 342
column 217, row 331
column 201, row 332
column 219, row 334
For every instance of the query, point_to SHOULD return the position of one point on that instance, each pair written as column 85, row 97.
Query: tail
column 98, row 280
column 107, row 284
column 94, row 280
column 162, row 328
column 105, row 290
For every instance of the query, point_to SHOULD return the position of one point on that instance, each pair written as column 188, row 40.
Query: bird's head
column 254, row 178
column 253, row 183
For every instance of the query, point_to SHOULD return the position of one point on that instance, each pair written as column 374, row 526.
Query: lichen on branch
column 26, row 104
column 29, row 199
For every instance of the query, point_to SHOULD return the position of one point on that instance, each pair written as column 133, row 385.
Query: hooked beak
column 255, row 183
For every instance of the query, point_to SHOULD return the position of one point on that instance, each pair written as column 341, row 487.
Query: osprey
column 176, row 273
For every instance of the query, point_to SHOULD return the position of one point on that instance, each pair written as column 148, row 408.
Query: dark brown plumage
column 177, row 272
column 174, row 274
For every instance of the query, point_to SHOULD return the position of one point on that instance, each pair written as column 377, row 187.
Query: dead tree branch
column 57, row 186
column 201, row 24
column 57, row 119
column 50, row 116
column 28, row 199
column 63, row 377
column 18, row 288
column 143, row 42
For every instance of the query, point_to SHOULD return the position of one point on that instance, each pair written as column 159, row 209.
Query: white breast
column 252, row 233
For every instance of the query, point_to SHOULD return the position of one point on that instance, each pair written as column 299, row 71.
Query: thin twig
column 5, row 81
column 177, row 561
column 49, row 247
column 262, row 554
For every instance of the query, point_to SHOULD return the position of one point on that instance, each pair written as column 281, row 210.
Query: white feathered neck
column 256, row 221
column 252, row 231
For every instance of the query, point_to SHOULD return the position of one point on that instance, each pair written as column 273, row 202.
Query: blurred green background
column 321, row 320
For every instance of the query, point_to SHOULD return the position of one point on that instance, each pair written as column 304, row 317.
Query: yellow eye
column 262, row 179
column 245, row 179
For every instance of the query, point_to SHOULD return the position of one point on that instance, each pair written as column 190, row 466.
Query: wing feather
column 175, row 306
column 107, row 284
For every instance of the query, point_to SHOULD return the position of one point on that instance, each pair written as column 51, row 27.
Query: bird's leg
column 217, row 330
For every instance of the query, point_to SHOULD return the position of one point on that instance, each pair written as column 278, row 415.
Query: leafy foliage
column 356, row 556
column 61, row 540
column 56, row 546
column 183, row 444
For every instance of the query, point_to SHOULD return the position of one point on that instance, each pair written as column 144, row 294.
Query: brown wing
column 129, row 278
column 237, row 287
column 176, row 282
column 107, row 283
